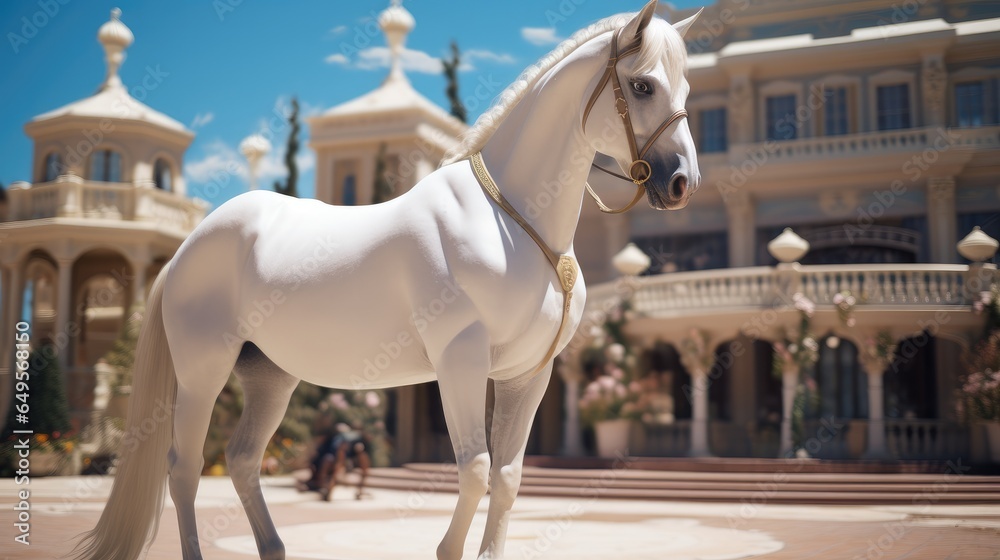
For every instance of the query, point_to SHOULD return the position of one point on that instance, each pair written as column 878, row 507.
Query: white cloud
column 338, row 30
column 201, row 119
column 337, row 58
column 220, row 160
column 540, row 35
column 412, row 60
column 483, row 54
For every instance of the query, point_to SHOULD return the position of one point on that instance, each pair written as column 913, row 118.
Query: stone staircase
column 752, row 481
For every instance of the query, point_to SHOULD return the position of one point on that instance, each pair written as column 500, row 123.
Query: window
column 835, row 113
column 893, row 103
column 350, row 191
column 106, row 165
column 781, row 117
column 162, row 176
column 842, row 384
column 712, row 124
column 977, row 103
column 53, row 165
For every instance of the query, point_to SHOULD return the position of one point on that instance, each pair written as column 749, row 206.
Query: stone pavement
column 391, row 524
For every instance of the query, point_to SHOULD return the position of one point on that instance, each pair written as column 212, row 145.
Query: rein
column 639, row 171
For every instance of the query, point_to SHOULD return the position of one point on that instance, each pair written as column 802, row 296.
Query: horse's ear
column 683, row 25
column 634, row 28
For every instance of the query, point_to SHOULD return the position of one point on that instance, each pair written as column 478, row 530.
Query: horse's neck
column 539, row 157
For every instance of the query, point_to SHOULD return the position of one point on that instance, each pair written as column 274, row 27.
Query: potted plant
column 610, row 401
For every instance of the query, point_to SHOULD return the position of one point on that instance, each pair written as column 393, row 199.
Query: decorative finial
column 396, row 23
column 115, row 37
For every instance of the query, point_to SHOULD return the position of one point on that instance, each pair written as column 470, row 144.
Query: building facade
column 870, row 129
column 105, row 209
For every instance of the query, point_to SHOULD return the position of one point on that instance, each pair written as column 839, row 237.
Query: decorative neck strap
column 565, row 265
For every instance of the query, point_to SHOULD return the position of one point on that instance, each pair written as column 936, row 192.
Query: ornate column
column 572, row 445
column 697, row 357
column 789, row 385
column 64, row 298
column 934, row 82
column 941, row 219
column 877, row 352
column 740, row 210
column 740, row 110
column 139, row 263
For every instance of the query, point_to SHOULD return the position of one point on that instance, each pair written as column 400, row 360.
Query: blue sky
column 228, row 64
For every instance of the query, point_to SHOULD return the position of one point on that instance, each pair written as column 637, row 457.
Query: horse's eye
column 641, row 87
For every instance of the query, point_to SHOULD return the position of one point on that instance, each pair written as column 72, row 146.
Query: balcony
column 875, row 286
column 71, row 197
column 956, row 142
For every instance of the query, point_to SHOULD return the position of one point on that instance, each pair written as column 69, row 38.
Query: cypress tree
column 451, row 74
column 291, row 150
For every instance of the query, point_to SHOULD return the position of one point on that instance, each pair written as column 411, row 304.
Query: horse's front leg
column 462, row 371
column 513, row 411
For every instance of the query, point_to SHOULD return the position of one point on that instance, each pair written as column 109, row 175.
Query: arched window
column 53, row 167
column 350, row 191
column 106, row 165
column 162, row 177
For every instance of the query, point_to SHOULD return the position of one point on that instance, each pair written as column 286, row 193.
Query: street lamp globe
column 254, row 148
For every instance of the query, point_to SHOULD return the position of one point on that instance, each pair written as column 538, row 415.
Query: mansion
column 861, row 137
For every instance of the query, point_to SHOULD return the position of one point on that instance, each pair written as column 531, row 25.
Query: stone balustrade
column 873, row 143
column 711, row 291
column 70, row 197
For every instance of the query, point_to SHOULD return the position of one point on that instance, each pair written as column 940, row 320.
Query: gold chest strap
column 564, row 265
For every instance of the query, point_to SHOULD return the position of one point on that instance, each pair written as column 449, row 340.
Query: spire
column 396, row 23
column 115, row 37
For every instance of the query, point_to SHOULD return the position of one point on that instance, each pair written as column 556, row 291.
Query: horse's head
column 647, row 81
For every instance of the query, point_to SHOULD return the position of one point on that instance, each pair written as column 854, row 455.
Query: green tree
column 382, row 190
column 122, row 353
column 291, row 150
column 451, row 74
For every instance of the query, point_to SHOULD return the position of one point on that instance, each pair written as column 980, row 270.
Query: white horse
column 443, row 282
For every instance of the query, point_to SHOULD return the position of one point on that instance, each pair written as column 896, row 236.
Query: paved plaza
column 392, row 524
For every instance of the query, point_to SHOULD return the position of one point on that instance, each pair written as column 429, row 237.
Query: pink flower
column 617, row 373
column 635, row 387
column 338, row 401
column 371, row 399
column 606, row 382
column 838, row 299
column 620, row 391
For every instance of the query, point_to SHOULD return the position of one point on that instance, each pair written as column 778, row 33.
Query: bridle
column 639, row 171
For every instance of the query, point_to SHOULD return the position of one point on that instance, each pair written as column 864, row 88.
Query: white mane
column 659, row 39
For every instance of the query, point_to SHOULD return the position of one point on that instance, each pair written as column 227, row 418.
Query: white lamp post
column 631, row 261
column 977, row 246
column 254, row 148
column 788, row 247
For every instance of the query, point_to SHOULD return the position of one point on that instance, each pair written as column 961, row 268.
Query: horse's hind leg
column 192, row 416
column 514, row 409
column 266, row 391
column 462, row 376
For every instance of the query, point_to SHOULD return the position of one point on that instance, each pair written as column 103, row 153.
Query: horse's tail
column 132, row 514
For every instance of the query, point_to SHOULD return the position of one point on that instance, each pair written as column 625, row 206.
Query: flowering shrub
column 612, row 394
column 982, row 385
column 845, row 303
column 799, row 348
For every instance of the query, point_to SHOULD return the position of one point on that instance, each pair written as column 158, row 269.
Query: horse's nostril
column 678, row 187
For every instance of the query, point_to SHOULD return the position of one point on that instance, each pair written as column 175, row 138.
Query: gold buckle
column 636, row 178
